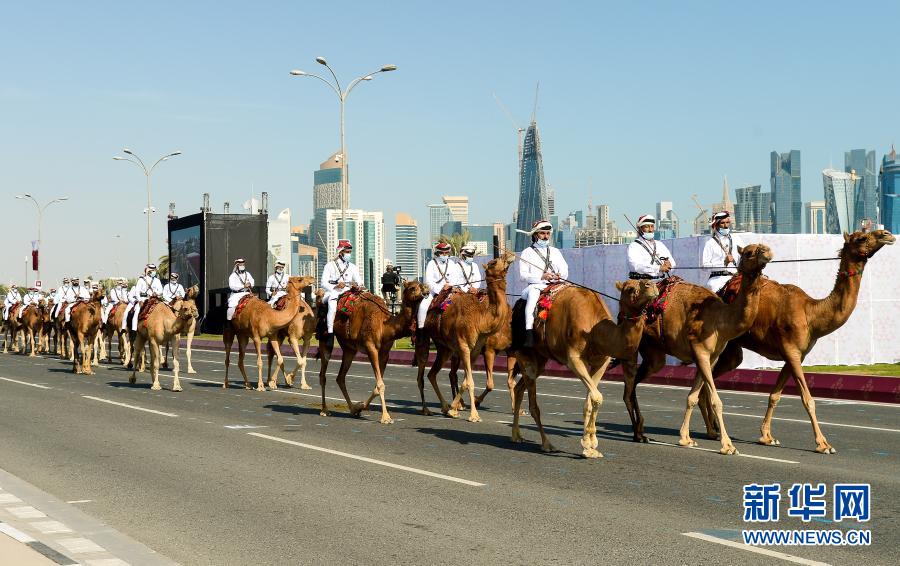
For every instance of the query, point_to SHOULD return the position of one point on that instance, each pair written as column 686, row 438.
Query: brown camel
column 113, row 327
column 789, row 323
column 13, row 329
column 64, row 346
column 372, row 328
column 189, row 333
column 164, row 325
column 580, row 332
column 462, row 330
column 302, row 327
column 695, row 328
column 256, row 321
column 33, row 327
column 48, row 329
column 82, row 328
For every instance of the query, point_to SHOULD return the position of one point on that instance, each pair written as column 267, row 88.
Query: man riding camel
column 32, row 297
column 241, row 284
column 77, row 292
column 647, row 257
column 276, row 284
column 437, row 278
column 338, row 277
column 720, row 252
column 539, row 265
column 148, row 285
column 60, row 296
column 116, row 295
column 465, row 273
column 173, row 290
column 13, row 298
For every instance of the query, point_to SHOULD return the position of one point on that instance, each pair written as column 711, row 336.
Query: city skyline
column 244, row 123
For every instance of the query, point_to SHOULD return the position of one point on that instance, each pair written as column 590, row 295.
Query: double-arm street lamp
column 133, row 158
column 342, row 97
column 40, row 211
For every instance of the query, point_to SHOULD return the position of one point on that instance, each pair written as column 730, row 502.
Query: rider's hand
column 729, row 259
column 473, row 290
column 446, row 286
column 548, row 276
column 341, row 285
column 665, row 267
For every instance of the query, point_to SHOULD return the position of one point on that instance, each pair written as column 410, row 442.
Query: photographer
column 390, row 283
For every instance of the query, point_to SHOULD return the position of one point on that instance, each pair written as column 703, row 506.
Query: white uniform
column 115, row 296
column 533, row 264
column 335, row 272
column 63, row 294
column 145, row 288
column 466, row 276
column 132, row 301
column 436, row 276
column 31, row 298
column 172, row 291
column 237, row 282
column 276, row 287
column 644, row 258
column 714, row 252
column 13, row 297
column 80, row 292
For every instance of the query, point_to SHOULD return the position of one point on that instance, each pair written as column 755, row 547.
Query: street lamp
column 40, row 211
column 133, row 158
column 342, row 96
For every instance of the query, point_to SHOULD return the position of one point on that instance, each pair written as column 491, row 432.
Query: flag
column 34, row 255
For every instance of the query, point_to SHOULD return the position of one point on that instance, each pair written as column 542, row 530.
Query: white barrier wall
column 871, row 335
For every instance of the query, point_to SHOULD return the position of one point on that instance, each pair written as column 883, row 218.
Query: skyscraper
column 327, row 183
column 551, row 200
column 666, row 220
column 840, row 196
column 725, row 203
column 889, row 183
column 406, row 245
column 533, row 204
column 752, row 210
column 814, row 217
column 459, row 208
column 785, row 181
column 865, row 205
column 365, row 230
column 438, row 214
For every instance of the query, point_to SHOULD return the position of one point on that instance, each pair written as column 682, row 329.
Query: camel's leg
column 704, row 378
column 257, row 343
column 793, row 366
column 324, row 358
column 29, row 339
column 139, row 347
column 275, row 348
column 531, row 384
column 420, row 382
column 591, row 402
column 228, row 340
column 653, row 360
column 375, row 360
column 176, row 366
column 511, row 370
column 295, row 346
column 439, row 359
column 590, row 427
column 192, row 328
column 165, row 360
column 156, row 353
column 692, row 398
column 489, row 355
column 469, row 384
column 303, row 358
column 242, row 352
column 454, row 376
column 518, row 392
column 346, row 362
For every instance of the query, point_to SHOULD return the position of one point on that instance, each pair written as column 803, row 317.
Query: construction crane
column 520, row 132
column 701, row 216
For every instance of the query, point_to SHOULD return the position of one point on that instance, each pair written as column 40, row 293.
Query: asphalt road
column 216, row 476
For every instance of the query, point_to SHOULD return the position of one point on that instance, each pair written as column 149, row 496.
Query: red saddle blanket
column 545, row 301
column 729, row 292
column 14, row 310
column 77, row 305
column 241, row 304
column 112, row 311
column 347, row 301
column 280, row 303
column 659, row 304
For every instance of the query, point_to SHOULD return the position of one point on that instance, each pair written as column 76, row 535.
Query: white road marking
column 25, row 383
column 80, row 501
column 130, row 406
column 757, row 550
column 368, row 460
column 26, row 512
column 80, row 545
column 51, row 527
column 820, row 422
column 6, row 498
column 243, row 426
column 15, row 533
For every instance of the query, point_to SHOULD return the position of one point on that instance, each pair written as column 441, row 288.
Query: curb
column 851, row 387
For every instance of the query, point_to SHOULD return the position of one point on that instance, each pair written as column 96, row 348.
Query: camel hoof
column 591, row 453
column 273, row 385
column 260, row 388
column 516, row 437
column 357, row 409
column 425, row 411
column 474, row 419
column 191, row 370
column 305, row 386
column 550, row 448
column 156, row 387
column 177, row 388
column 826, row 449
column 728, row 450
column 641, row 438
column 713, row 435
column 132, row 380
column 452, row 413
column 687, row 442
column 324, row 413
column 386, row 420
column 250, row 388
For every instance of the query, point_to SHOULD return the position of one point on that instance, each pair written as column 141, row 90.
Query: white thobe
column 240, row 285
column 335, row 272
column 644, row 257
column 533, row 264
column 714, row 252
column 436, row 276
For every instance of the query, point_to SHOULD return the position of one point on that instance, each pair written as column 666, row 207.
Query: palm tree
column 456, row 241
column 162, row 266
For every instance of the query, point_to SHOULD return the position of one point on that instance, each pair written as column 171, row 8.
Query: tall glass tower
column 787, row 211
column 890, row 191
column 533, row 204
column 866, row 203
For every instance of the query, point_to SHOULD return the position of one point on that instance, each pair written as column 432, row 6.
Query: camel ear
column 846, row 237
column 620, row 285
column 740, row 250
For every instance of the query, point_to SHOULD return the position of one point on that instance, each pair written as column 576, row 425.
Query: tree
column 456, row 241
column 162, row 266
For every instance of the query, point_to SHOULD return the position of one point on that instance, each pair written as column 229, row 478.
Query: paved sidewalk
column 38, row 529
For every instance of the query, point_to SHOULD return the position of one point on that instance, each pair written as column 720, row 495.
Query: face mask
column 724, row 231
column 241, row 269
column 279, row 271
column 152, row 274
column 469, row 260
column 648, row 235
column 542, row 244
column 442, row 258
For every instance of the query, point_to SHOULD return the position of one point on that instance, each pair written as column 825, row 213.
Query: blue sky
column 641, row 101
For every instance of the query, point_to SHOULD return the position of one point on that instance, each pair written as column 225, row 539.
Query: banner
column 34, row 255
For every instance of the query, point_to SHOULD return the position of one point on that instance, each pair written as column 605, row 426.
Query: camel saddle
column 148, row 307
column 442, row 305
column 438, row 300
column 241, row 304
column 112, row 310
column 14, row 310
column 729, row 292
column 347, row 301
column 280, row 303
column 77, row 304
column 656, row 308
column 546, row 298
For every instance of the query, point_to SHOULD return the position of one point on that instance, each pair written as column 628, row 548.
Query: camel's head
column 320, row 295
column 300, row 283
column 497, row 268
column 754, row 258
column 97, row 294
column 192, row 292
column 188, row 309
column 413, row 291
column 637, row 294
column 860, row 246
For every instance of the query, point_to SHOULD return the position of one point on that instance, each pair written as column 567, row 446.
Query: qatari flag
column 34, row 255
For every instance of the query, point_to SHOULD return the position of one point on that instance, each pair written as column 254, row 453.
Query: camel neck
column 620, row 340
column 497, row 305
column 832, row 312
column 743, row 309
column 399, row 325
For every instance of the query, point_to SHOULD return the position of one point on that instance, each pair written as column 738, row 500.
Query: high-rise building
column 814, row 217
column 279, row 235
column 840, row 197
column 365, row 230
column 752, row 210
column 438, row 214
column 551, row 200
column 406, row 245
column 889, row 187
column 459, row 208
column 327, row 184
column 666, row 221
column 533, row 204
column 785, row 181
column 725, row 203
column 865, row 205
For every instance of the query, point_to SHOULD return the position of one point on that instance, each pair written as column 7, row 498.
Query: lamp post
column 133, row 158
column 40, row 211
column 342, row 97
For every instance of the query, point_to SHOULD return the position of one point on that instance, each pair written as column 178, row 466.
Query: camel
column 372, row 328
column 64, row 346
column 113, row 327
column 580, row 332
column 695, row 328
column 256, row 321
column 13, row 329
column 462, row 331
column 789, row 322
column 164, row 325
column 47, row 328
column 82, row 329
column 302, row 327
column 33, row 327
column 189, row 332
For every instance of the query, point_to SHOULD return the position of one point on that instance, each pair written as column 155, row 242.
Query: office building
column 364, row 229
column 406, row 245
column 279, row 240
column 865, row 205
column 459, row 208
column 814, row 217
column 785, row 184
column 666, row 221
column 533, row 205
column 889, row 189
column 438, row 215
column 840, row 199
column 327, row 184
column 752, row 210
